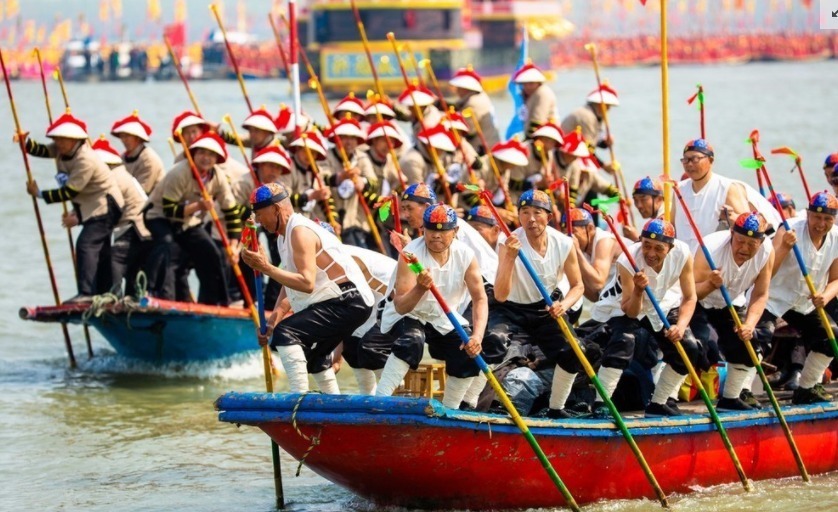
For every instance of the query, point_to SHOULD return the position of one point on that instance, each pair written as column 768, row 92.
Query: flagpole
column 295, row 65
column 667, row 195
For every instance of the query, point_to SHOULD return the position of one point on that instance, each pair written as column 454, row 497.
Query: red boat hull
column 450, row 459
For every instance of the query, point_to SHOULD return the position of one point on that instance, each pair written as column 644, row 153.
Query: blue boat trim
column 258, row 408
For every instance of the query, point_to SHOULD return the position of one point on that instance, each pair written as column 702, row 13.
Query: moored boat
column 414, row 452
column 160, row 331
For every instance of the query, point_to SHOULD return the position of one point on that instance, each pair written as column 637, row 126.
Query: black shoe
column 658, row 410
column 601, row 412
column 556, row 414
column 793, row 383
column 79, row 299
column 746, row 396
column 813, row 395
column 466, row 407
column 579, row 409
column 733, row 404
column 673, row 404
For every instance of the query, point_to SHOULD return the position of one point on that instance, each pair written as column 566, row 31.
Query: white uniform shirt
column 737, row 279
column 549, row 268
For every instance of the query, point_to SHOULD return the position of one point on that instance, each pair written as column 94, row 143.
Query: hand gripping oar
column 589, row 370
column 414, row 265
column 680, row 348
column 22, row 144
column 221, row 232
column 748, row 345
column 797, row 254
column 785, row 150
column 251, row 241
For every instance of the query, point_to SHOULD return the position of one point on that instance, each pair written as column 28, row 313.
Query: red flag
column 643, row 2
column 175, row 33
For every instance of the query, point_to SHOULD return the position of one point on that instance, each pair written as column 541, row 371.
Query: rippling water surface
column 118, row 435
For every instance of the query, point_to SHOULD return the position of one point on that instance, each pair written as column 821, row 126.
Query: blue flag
column 519, row 117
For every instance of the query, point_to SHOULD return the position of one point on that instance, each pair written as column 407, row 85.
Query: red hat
column 132, row 125
column 422, row 95
column 347, row 127
column 68, row 127
column 379, row 106
column 456, row 121
column 211, row 142
column 511, row 151
column 603, row 94
column 350, row 104
column 260, row 119
column 386, row 127
column 284, row 122
column 529, row 73
column 273, row 154
column 106, row 152
column 187, row 118
column 575, row 145
column 313, row 142
column 467, row 78
column 550, row 130
column 439, row 138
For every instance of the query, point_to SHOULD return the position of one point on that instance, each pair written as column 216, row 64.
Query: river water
column 118, row 435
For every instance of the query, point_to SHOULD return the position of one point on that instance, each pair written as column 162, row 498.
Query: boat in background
column 160, row 331
column 453, row 34
column 413, row 452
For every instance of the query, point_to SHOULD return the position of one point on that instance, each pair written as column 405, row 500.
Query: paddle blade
column 384, row 211
column 600, row 202
column 751, row 163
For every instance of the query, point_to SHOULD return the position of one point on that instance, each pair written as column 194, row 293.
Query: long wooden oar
column 416, row 266
column 785, row 150
column 315, row 171
column 229, row 121
column 619, row 177
column 21, row 139
column 390, row 148
column 827, row 326
column 176, row 64
column 214, row 9
column 448, row 114
column 250, row 239
column 85, row 326
column 360, row 24
column 748, row 345
column 684, row 357
column 440, row 169
column 49, row 116
column 570, row 336
column 221, row 232
column 753, row 140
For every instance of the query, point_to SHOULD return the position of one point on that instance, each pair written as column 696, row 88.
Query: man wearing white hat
column 470, row 94
column 131, row 239
column 287, row 123
column 349, row 106
column 261, row 131
column 309, row 197
column 590, row 117
column 141, row 161
column 347, row 182
column 176, row 216
column 417, row 96
column 382, row 162
column 87, row 182
column 582, row 179
column 512, row 158
column 540, row 99
column 271, row 165
column 418, row 164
